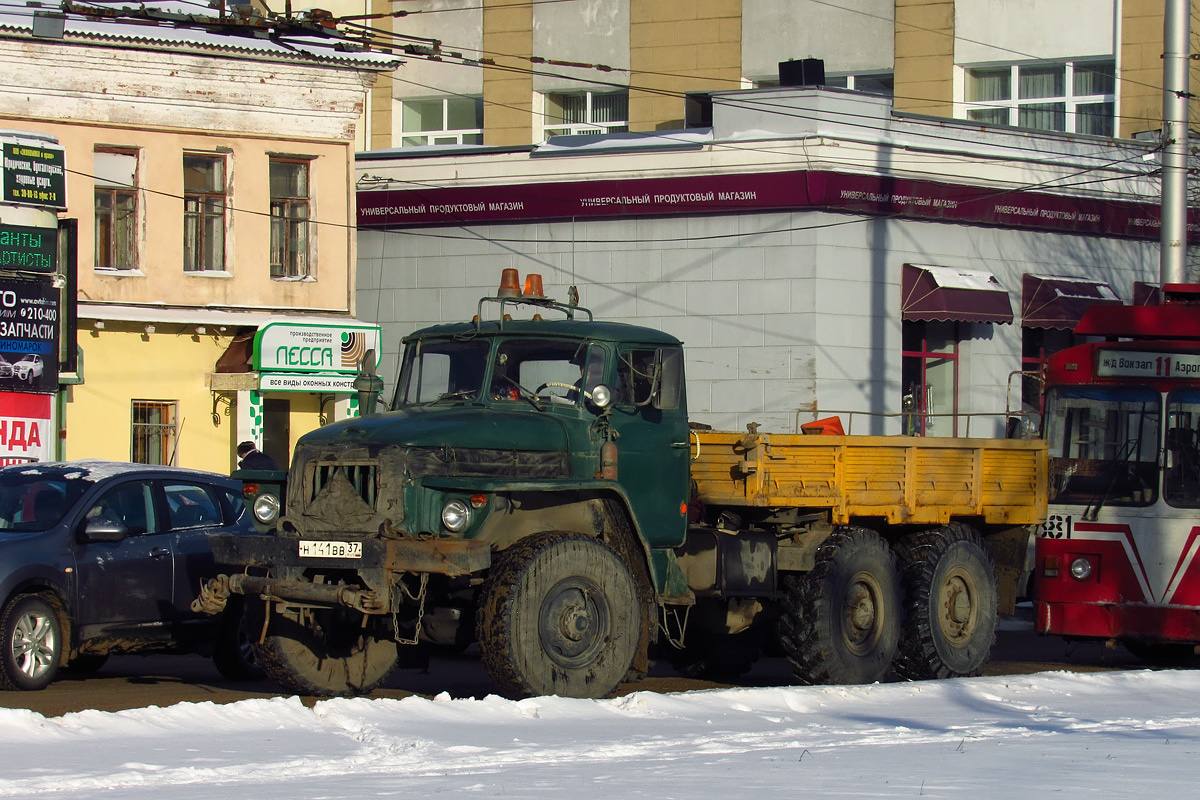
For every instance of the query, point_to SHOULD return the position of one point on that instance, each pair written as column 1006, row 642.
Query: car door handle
column 680, row 445
column 159, row 552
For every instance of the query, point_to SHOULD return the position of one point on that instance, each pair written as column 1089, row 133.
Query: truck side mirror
column 668, row 366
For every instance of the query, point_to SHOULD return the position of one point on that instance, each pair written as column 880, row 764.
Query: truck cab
column 563, row 435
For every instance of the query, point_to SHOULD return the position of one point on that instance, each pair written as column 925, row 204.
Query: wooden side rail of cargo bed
column 903, row 479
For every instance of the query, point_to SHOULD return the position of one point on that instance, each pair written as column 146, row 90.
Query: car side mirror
column 103, row 529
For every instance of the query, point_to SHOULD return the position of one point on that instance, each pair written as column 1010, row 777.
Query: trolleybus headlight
column 266, row 508
column 456, row 515
column 1081, row 569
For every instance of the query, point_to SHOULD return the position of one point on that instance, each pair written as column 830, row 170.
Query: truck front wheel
column 328, row 654
column 841, row 621
column 950, row 601
column 559, row 615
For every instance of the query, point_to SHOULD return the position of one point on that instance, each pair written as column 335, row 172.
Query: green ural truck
column 535, row 486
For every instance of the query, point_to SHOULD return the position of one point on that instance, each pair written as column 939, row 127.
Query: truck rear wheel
column 841, row 621
column 559, row 615
column 333, row 655
column 950, row 602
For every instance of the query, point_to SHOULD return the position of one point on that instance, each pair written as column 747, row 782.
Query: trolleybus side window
column 1181, row 449
column 1103, row 444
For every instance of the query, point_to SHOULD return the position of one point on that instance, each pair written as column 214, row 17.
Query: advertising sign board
column 28, row 336
column 26, row 431
column 34, row 174
column 299, row 348
column 28, row 249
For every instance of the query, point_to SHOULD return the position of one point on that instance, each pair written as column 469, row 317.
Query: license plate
column 311, row 549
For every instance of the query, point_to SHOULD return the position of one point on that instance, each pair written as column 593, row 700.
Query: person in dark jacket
column 250, row 457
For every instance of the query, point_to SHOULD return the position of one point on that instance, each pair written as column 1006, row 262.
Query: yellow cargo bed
column 903, row 479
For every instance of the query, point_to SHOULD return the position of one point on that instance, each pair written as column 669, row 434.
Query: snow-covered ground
column 1114, row 734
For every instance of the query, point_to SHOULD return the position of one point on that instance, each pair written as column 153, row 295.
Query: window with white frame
column 1070, row 96
column 585, row 113
column 871, row 82
column 116, row 196
column 290, row 246
column 441, row 120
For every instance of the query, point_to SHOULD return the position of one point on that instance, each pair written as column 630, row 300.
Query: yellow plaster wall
column 508, row 87
column 678, row 46
column 247, row 282
column 1141, row 65
column 123, row 366
column 924, row 60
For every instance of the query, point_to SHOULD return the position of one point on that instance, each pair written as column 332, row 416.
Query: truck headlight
column 1081, row 569
column 456, row 516
column 266, row 508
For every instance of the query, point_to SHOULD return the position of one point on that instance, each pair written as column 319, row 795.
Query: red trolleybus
column 1119, row 556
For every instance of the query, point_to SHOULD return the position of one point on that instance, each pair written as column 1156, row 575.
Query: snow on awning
column 950, row 294
column 1058, row 301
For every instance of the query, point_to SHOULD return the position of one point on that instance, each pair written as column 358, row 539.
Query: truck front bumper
column 280, row 556
column 444, row 556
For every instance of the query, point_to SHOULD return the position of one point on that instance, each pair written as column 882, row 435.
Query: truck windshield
column 1103, row 445
column 441, row 369
column 1181, row 481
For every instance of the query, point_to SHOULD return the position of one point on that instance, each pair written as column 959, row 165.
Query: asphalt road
column 138, row 681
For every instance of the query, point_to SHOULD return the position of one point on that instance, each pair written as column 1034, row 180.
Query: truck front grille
column 361, row 477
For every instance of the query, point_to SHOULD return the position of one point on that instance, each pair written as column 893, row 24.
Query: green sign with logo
column 28, row 249
column 34, row 174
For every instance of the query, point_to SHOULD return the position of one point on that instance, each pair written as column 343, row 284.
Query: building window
column 115, row 179
column 290, row 246
column 883, row 83
column 153, row 432
column 1071, row 96
column 441, row 120
column 585, row 113
column 203, row 213
column 929, row 369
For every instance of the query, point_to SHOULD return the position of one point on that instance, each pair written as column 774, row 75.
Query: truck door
column 650, row 416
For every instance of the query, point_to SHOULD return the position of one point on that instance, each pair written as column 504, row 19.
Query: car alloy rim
column 33, row 644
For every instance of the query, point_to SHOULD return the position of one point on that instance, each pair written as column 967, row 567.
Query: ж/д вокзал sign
column 28, row 249
column 34, row 175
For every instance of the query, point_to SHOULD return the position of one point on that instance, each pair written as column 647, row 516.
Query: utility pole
column 1176, row 63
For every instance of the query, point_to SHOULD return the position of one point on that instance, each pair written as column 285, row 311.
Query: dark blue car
column 100, row 558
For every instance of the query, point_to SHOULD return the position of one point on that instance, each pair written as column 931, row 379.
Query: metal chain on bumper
column 420, row 598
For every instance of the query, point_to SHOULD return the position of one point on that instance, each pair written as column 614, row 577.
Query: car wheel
column 32, row 641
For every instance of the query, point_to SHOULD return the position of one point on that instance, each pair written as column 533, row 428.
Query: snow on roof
column 261, row 42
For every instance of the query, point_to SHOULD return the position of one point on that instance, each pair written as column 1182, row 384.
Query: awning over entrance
column 950, row 294
column 1056, row 301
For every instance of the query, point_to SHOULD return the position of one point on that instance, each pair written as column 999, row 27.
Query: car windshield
column 436, row 370
column 36, row 502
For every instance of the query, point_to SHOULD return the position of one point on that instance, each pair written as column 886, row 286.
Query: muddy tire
column 33, row 644
column 951, row 604
column 841, row 621
column 331, row 655
column 559, row 615
column 234, row 655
